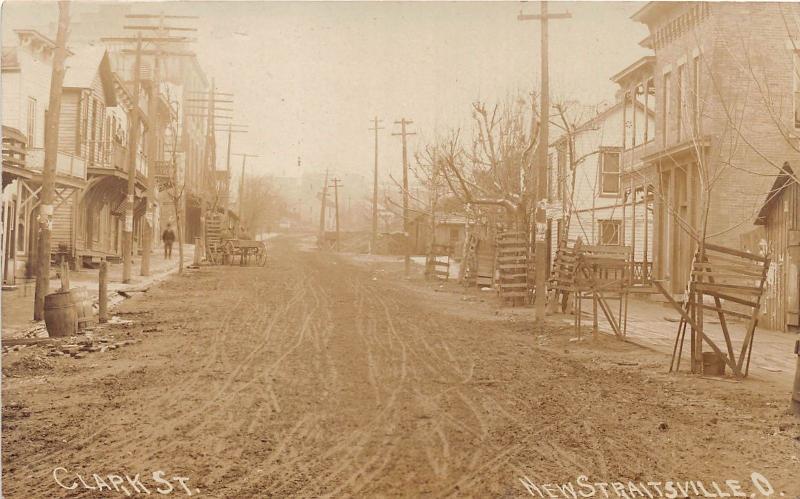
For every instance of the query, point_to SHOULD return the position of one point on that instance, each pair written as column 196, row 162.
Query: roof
column 591, row 122
column 640, row 64
column 653, row 10
column 782, row 182
column 36, row 37
column 82, row 68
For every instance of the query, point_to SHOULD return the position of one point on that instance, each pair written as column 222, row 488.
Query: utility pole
column 336, row 186
column 374, row 239
column 52, row 119
column 133, row 144
column 403, row 133
column 227, row 195
column 540, row 199
column 241, row 183
column 323, row 202
column 161, row 34
column 210, row 101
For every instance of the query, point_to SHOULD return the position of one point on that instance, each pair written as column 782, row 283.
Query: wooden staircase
column 213, row 237
column 512, row 265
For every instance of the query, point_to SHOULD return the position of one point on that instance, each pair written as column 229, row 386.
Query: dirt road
column 314, row 376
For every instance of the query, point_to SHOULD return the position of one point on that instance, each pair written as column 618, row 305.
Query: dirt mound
column 33, row 364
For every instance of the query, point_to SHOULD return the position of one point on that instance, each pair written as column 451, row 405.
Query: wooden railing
column 66, row 164
column 642, row 273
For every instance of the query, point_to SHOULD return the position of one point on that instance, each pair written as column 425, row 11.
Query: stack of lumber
column 512, row 266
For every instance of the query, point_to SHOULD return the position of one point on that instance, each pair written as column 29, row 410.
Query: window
column 697, row 104
column 31, row 128
column 667, row 107
column 639, row 116
column 609, row 173
column 650, row 108
column 610, row 232
column 680, row 99
column 797, row 89
column 562, row 171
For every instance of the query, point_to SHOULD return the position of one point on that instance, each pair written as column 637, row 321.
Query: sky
column 309, row 77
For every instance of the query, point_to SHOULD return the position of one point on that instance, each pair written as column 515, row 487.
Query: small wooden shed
column 780, row 218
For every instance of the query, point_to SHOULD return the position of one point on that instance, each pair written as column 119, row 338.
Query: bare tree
column 262, row 204
column 495, row 166
column 176, row 186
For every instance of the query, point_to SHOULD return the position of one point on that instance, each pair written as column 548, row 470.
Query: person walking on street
column 168, row 237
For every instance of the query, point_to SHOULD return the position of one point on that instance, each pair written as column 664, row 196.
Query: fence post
column 197, row 251
column 103, row 292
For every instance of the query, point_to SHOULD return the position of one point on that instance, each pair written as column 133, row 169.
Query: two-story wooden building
column 26, row 72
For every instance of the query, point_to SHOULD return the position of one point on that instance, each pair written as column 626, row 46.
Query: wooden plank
column 730, row 251
column 624, row 250
column 731, row 298
column 511, row 258
column 727, row 312
column 748, row 271
column 514, row 294
column 702, row 286
column 720, row 275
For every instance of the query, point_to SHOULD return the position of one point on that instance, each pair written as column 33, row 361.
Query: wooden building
column 779, row 237
column 94, row 126
column 26, row 71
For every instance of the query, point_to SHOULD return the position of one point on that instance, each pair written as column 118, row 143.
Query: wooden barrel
column 59, row 314
column 83, row 305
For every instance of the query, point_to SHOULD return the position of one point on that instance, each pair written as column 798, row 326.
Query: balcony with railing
column 67, row 164
column 113, row 156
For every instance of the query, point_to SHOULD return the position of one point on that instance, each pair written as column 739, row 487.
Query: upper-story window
column 31, row 124
column 561, row 170
column 649, row 109
column 609, row 172
column 697, row 104
column 552, row 177
column 797, row 89
column 667, row 106
column 680, row 98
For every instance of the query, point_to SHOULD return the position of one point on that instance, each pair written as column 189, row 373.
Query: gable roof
column 643, row 64
column 782, row 182
column 82, row 68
